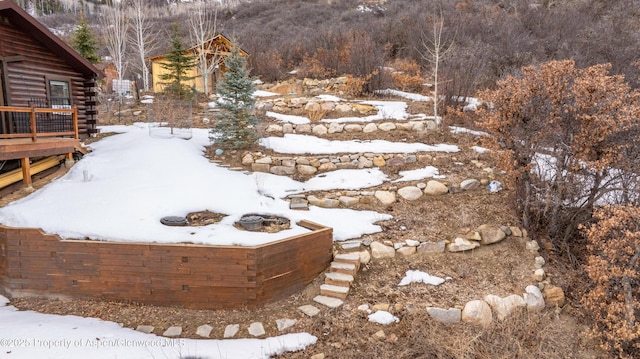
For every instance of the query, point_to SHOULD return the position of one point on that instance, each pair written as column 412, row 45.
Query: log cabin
column 47, row 93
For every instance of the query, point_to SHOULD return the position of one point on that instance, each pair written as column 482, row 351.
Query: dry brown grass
column 523, row 335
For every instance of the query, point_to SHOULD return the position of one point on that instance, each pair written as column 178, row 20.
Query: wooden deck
column 17, row 148
column 36, row 142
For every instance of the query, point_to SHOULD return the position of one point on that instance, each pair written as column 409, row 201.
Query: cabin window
column 59, row 95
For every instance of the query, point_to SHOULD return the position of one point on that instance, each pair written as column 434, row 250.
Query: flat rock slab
column 172, row 332
column 256, row 329
column 451, row 315
column 204, row 330
column 285, row 323
column 147, row 329
column 328, row 301
column 231, row 330
column 309, row 310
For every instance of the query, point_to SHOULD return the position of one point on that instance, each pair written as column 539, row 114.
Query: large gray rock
column 265, row 160
column 534, row 299
column 490, row 234
column 410, row 193
column 282, row 170
column 274, row 128
column 385, row 197
column 503, row 307
column 343, row 107
column 306, row 169
column 348, row 201
column 353, row 127
column 470, row 184
column 312, row 107
column 449, row 316
column 327, row 166
column 323, row 202
column 319, row 130
column 436, row 188
column 287, row 128
column 379, row 250
column 406, row 251
column 477, row 312
column 247, row 159
column 461, row 245
column 387, row 126
column 303, row 128
column 370, row 127
column 336, row 127
column 432, row 247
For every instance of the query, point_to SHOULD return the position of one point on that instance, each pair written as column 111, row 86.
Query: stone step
column 336, row 278
column 353, row 258
column 346, row 268
column 300, row 204
column 336, row 291
column 328, row 301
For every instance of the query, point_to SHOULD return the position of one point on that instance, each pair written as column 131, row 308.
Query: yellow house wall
column 158, row 86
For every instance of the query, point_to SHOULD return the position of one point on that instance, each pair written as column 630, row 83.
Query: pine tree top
column 85, row 43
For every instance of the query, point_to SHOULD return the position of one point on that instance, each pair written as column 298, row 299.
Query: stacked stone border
column 481, row 312
column 33, row 263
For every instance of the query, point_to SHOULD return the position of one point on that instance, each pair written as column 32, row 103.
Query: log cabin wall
column 27, row 66
column 33, row 263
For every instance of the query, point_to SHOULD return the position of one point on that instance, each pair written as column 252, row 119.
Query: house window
column 59, row 95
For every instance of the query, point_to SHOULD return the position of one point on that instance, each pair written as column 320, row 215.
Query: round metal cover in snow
column 251, row 219
column 174, row 221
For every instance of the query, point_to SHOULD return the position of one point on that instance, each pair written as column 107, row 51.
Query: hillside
column 490, row 39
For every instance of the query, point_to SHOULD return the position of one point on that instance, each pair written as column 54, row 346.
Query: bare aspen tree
column 114, row 24
column 203, row 27
column 142, row 38
column 434, row 49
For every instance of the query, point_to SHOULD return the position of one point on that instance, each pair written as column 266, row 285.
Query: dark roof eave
column 32, row 26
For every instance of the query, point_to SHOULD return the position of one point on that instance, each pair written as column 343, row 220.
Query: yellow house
column 216, row 48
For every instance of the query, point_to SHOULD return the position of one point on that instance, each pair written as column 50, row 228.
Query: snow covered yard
column 133, row 179
column 27, row 335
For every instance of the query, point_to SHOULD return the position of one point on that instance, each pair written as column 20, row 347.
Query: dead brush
column 316, row 114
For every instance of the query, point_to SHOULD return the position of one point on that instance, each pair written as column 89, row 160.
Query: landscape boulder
column 436, row 188
column 477, row 312
column 503, row 307
column 490, row 234
column 410, row 193
column 379, row 250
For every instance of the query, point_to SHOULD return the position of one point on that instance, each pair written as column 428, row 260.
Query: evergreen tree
column 84, row 42
column 178, row 64
column 236, row 125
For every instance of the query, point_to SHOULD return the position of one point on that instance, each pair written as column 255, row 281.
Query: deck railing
column 33, row 123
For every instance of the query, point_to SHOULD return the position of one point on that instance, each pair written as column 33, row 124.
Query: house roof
column 219, row 36
column 25, row 22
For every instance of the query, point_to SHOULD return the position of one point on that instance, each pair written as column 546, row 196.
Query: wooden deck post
column 75, row 122
column 26, row 172
column 32, row 122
